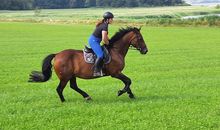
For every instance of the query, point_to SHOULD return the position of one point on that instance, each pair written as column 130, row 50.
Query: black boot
column 98, row 67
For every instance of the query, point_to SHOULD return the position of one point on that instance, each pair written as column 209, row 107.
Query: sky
column 199, row 1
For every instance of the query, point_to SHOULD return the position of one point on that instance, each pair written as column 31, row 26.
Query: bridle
column 139, row 44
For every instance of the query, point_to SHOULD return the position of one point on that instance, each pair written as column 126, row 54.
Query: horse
column 69, row 64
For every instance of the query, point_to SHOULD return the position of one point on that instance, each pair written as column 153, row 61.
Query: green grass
column 176, row 84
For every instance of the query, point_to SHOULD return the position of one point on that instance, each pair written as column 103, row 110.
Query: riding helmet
column 108, row 15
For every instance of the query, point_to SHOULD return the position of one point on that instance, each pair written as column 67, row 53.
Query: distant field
column 92, row 14
column 177, row 84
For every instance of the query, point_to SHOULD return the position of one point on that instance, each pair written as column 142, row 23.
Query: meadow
column 176, row 84
column 146, row 16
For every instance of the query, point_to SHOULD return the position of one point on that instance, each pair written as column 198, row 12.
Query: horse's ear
column 140, row 27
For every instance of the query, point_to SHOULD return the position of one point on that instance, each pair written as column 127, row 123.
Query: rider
column 100, row 34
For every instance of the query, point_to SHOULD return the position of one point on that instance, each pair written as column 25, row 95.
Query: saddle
column 90, row 56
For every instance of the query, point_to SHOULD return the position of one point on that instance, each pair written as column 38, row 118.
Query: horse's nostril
column 144, row 51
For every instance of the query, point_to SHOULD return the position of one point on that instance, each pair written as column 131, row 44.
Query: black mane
column 118, row 35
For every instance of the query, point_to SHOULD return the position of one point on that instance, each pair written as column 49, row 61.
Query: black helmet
column 108, row 15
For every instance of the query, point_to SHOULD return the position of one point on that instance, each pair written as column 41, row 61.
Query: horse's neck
column 122, row 45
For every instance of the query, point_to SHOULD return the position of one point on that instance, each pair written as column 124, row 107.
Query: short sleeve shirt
column 98, row 30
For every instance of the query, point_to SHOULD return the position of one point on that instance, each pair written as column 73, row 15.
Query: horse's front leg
column 127, row 82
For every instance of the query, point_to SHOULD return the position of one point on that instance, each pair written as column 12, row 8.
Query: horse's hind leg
column 60, row 88
column 74, row 86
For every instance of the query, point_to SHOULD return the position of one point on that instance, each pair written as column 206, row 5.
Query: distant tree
column 90, row 3
column 80, row 3
column 141, row 2
column 157, row 3
column 179, row 2
column 172, row 2
column 99, row 3
column 43, row 4
column 20, row 4
column 131, row 3
column 57, row 4
column 151, row 2
column 32, row 4
column 118, row 3
column 107, row 3
column 76, row 3
column 4, row 4
column 103, row 3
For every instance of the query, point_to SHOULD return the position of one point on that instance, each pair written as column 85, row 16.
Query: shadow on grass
column 138, row 99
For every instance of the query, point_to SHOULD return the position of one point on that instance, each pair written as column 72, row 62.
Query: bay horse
column 69, row 64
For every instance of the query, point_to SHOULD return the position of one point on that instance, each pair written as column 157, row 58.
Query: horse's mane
column 121, row 32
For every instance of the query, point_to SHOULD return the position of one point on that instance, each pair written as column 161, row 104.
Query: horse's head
column 137, row 41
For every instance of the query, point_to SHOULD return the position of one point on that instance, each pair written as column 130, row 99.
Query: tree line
column 58, row 4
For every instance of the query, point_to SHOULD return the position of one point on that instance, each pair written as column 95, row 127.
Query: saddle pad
column 91, row 57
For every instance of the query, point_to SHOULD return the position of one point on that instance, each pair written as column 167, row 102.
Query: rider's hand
column 107, row 43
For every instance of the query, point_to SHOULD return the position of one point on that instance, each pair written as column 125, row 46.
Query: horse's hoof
column 88, row 98
column 120, row 92
column 63, row 100
column 131, row 96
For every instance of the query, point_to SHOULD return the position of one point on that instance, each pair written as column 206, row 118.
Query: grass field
column 92, row 14
column 177, row 84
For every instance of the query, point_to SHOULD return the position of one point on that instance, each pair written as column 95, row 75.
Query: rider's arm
column 105, row 38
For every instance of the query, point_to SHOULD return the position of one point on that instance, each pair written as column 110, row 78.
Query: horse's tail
column 46, row 73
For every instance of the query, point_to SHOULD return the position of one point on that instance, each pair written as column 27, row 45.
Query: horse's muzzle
column 144, row 51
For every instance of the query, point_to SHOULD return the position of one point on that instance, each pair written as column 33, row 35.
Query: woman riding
column 99, row 35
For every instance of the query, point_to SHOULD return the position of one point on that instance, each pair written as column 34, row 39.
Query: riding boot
column 98, row 67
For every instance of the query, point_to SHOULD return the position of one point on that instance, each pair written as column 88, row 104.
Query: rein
column 133, row 48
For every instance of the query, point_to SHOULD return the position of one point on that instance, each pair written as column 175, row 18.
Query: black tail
column 46, row 73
